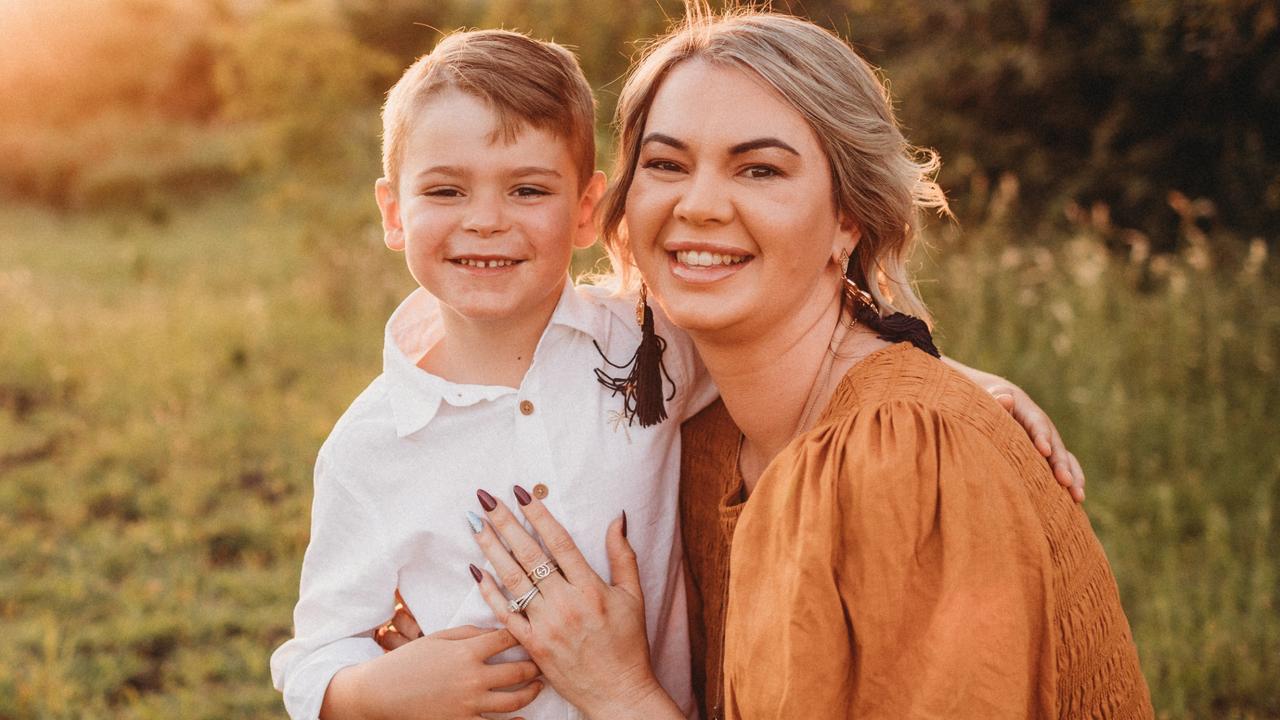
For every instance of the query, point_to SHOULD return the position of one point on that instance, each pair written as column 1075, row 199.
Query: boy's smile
column 488, row 224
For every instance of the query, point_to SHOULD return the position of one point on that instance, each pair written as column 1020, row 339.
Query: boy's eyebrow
column 442, row 170
column 761, row 143
column 535, row 170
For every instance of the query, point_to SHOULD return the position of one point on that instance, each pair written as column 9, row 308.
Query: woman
column 868, row 533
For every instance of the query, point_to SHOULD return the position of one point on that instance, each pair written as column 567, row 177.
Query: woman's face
column 730, row 215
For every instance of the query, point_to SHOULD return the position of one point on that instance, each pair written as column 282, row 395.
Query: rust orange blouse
column 909, row 557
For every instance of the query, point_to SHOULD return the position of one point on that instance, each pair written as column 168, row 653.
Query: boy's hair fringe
column 526, row 82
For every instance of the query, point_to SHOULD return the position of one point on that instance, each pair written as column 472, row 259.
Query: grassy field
column 166, row 380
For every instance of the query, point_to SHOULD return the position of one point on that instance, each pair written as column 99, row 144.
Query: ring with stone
column 519, row 604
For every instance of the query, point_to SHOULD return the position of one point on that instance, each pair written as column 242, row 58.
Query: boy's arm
column 347, row 589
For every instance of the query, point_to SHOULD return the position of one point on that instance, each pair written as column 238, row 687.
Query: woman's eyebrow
column 760, row 143
column 665, row 140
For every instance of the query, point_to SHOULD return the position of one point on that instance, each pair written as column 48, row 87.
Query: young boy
column 488, row 382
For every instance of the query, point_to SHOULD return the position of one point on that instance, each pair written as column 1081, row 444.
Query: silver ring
column 543, row 571
column 519, row 604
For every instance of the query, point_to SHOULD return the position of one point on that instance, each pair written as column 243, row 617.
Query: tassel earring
column 642, row 393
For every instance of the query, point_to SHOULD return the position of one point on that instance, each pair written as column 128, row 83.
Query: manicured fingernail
column 624, row 523
column 486, row 500
column 522, row 496
column 475, row 572
column 476, row 523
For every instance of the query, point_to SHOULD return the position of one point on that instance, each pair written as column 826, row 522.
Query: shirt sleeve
column 347, row 590
column 893, row 567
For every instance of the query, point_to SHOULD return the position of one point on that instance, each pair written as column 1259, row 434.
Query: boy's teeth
column 707, row 259
column 486, row 263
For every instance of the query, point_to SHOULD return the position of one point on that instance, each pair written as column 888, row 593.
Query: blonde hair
column 880, row 181
column 526, row 82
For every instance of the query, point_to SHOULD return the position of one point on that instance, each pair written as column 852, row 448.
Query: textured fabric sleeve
column 889, row 566
column 347, row 590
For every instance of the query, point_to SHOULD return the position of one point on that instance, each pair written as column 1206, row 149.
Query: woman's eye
column 662, row 165
column 527, row 191
column 762, row 171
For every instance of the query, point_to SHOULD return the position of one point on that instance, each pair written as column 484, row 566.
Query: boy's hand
column 398, row 631
column 442, row 676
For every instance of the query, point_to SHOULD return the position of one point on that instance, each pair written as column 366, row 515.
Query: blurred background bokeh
column 193, row 285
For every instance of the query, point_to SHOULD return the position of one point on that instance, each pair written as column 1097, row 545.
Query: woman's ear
column 584, row 235
column 845, row 240
column 389, row 206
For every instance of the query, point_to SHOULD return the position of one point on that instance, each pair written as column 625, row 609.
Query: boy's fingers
column 388, row 640
column 509, row 674
column 406, row 623
column 500, row 701
column 1077, row 473
column 462, row 632
column 559, row 543
column 493, row 642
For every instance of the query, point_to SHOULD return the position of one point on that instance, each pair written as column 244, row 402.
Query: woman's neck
column 776, row 385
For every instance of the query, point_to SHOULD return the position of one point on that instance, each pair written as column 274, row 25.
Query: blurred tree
column 1090, row 100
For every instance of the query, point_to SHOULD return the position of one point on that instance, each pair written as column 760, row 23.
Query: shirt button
column 526, row 407
column 540, row 491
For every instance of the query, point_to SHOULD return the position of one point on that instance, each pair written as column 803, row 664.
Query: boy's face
column 487, row 227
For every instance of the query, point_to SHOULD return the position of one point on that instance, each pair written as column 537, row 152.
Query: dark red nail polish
column 624, row 523
column 486, row 500
column 522, row 496
column 475, row 573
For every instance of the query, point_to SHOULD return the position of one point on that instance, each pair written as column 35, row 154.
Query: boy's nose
column 484, row 218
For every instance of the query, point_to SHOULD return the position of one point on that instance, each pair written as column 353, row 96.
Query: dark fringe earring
column 642, row 388
column 898, row 327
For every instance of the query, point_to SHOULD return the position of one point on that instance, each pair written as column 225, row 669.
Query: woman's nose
column 705, row 200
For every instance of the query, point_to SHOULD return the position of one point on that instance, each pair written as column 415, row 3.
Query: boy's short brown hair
column 526, row 82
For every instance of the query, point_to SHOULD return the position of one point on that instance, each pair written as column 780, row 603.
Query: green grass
column 166, row 381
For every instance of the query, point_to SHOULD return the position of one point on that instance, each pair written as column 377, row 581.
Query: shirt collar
column 416, row 326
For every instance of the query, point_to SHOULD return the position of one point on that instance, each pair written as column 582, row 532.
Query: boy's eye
column 447, row 192
column 762, row 171
column 530, row 191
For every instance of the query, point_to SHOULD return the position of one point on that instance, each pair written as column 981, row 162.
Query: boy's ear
column 845, row 239
column 584, row 235
column 389, row 206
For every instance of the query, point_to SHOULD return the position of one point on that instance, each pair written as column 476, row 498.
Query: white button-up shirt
column 396, row 476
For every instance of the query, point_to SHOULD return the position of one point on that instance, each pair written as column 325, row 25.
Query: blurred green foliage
column 192, row 288
column 1109, row 102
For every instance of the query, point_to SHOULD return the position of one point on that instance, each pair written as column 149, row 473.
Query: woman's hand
column 1044, row 435
column 587, row 636
column 442, row 676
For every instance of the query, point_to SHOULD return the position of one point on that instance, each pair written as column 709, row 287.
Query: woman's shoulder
column 902, row 383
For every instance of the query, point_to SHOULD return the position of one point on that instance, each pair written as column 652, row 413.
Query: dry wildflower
column 1256, row 259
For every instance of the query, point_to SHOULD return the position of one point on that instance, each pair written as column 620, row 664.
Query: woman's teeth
column 696, row 258
column 485, row 263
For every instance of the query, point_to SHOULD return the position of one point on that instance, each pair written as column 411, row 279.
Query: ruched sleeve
column 890, row 564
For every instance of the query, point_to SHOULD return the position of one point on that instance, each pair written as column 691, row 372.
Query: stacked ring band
column 519, row 604
column 543, row 571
